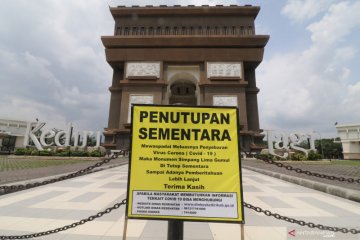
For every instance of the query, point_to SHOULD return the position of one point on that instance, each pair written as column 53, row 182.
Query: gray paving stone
column 115, row 185
column 289, row 189
column 195, row 230
column 107, row 175
column 155, row 229
column 258, row 179
column 250, row 188
column 335, row 210
column 38, row 198
column 73, row 184
column 86, row 197
column 274, row 202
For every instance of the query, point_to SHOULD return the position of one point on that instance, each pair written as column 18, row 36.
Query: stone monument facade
column 190, row 55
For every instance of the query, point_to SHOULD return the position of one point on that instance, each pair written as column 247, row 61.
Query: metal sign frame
column 235, row 160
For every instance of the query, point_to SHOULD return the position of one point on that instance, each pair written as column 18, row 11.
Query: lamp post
column 321, row 146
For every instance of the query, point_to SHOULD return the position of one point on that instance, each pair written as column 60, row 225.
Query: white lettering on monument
column 286, row 141
column 41, row 141
column 30, row 134
column 46, row 134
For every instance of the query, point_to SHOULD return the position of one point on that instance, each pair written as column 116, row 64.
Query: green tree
column 329, row 149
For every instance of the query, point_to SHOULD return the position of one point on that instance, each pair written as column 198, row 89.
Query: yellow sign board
column 185, row 164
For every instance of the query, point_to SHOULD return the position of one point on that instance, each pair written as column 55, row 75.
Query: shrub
column 23, row 151
column 266, row 155
column 63, row 154
column 97, row 153
column 314, row 155
column 79, row 154
column 59, row 153
column 298, row 157
column 28, row 151
column 20, row 151
column 34, row 153
column 45, row 153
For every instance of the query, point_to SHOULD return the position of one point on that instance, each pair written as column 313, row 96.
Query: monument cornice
column 185, row 41
column 143, row 83
column 205, row 10
column 240, row 84
column 187, row 55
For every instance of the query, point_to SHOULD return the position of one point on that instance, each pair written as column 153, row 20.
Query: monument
column 184, row 55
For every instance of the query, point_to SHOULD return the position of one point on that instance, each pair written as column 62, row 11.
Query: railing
column 184, row 30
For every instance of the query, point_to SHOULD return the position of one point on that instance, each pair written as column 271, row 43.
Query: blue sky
column 52, row 62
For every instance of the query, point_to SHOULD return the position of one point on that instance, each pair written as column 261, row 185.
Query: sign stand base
column 175, row 230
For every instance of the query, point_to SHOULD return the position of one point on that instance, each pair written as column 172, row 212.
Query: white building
column 350, row 139
column 12, row 133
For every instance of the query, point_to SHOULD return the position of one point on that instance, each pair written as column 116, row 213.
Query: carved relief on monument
column 143, row 69
column 224, row 69
column 228, row 101
column 140, row 99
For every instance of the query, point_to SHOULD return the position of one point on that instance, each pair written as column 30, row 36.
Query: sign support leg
column 175, row 230
column 125, row 228
column 242, row 231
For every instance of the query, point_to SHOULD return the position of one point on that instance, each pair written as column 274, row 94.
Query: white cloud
column 302, row 10
column 31, row 90
column 343, row 54
column 349, row 103
column 354, row 90
column 26, row 75
column 52, row 62
column 24, row 109
column 314, row 86
column 353, row 96
column 341, row 19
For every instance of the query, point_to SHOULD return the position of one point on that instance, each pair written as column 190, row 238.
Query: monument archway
column 206, row 59
column 183, row 92
column 183, row 89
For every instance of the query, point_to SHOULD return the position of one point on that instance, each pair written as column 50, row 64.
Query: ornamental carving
column 229, row 101
column 140, row 99
column 139, row 69
column 224, row 70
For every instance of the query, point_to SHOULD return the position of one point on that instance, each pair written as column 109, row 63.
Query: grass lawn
column 346, row 162
column 19, row 164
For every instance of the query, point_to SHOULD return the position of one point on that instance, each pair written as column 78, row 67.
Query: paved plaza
column 323, row 167
column 63, row 203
